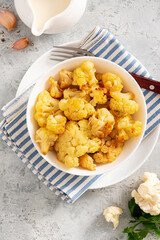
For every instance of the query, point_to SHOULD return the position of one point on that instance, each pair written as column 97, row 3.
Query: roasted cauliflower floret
column 85, row 74
column 122, row 102
column 102, row 123
column 87, row 162
column 76, row 108
column 45, row 106
column 112, row 214
column 74, row 93
column 126, row 128
column 55, row 92
column 148, row 194
column 112, row 82
column 65, row 80
column 56, row 124
column 109, row 152
column 99, row 96
column 46, row 139
column 74, row 143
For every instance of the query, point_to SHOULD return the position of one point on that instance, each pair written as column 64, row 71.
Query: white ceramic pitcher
column 56, row 24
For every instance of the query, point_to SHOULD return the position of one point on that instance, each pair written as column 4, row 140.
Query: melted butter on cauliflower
column 147, row 195
column 112, row 214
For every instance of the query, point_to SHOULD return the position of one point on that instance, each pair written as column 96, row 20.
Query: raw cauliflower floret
column 55, row 92
column 122, row 102
column 65, row 80
column 46, row 139
column 109, row 151
column 56, row 124
column 126, row 128
column 74, row 143
column 99, row 96
column 74, row 93
column 76, row 108
column 112, row 214
column 102, row 123
column 148, row 194
column 85, row 74
column 87, row 162
column 112, row 82
column 45, row 106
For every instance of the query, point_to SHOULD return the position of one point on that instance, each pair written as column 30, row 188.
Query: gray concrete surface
column 28, row 210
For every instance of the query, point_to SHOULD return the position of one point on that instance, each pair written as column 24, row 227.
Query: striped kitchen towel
column 13, row 129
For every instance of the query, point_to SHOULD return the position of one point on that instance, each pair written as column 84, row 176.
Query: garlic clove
column 7, row 19
column 20, row 44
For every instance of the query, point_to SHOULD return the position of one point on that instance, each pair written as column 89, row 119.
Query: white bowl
column 102, row 66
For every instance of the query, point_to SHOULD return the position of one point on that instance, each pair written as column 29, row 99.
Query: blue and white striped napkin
column 13, row 129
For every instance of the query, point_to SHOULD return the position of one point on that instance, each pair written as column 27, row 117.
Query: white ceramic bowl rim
column 52, row 71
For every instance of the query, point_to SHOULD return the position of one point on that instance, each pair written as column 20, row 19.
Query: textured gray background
column 28, row 210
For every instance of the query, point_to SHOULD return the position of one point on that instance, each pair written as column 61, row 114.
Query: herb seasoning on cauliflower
column 112, row 214
column 85, row 117
column 148, row 194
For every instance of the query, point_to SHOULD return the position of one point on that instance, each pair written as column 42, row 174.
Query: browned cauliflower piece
column 99, row 96
column 85, row 74
column 112, row 82
column 45, row 106
column 126, row 128
column 87, row 162
column 55, row 92
column 46, row 139
column 109, row 152
column 74, row 143
column 66, row 78
column 102, row 123
column 56, row 124
column 76, row 108
column 123, row 103
column 74, row 93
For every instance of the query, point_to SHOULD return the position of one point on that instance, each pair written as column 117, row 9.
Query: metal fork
column 61, row 53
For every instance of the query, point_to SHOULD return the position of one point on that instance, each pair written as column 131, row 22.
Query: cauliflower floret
column 45, row 106
column 87, row 162
column 46, row 139
column 85, row 74
column 126, row 128
column 76, row 108
column 74, row 143
column 56, row 124
column 148, row 194
column 109, row 152
column 74, row 93
column 99, row 96
column 112, row 82
column 122, row 102
column 65, row 80
column 55, row 92
column 112, row 214
column 102, row 123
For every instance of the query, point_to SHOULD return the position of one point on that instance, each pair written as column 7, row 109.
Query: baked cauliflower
column 122, row 102
column 102, row 123
column 55, row 91
column 56, row 124
column 112, row 82
column 148, row 194
column 84, row 75
column 112, row 214
column 46, row 139
column 85, row 117
column 65, row 79
column 45, row 106
column 76, row 108
column 74, row 143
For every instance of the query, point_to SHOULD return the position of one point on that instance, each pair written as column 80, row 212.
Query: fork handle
column 147, row 83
